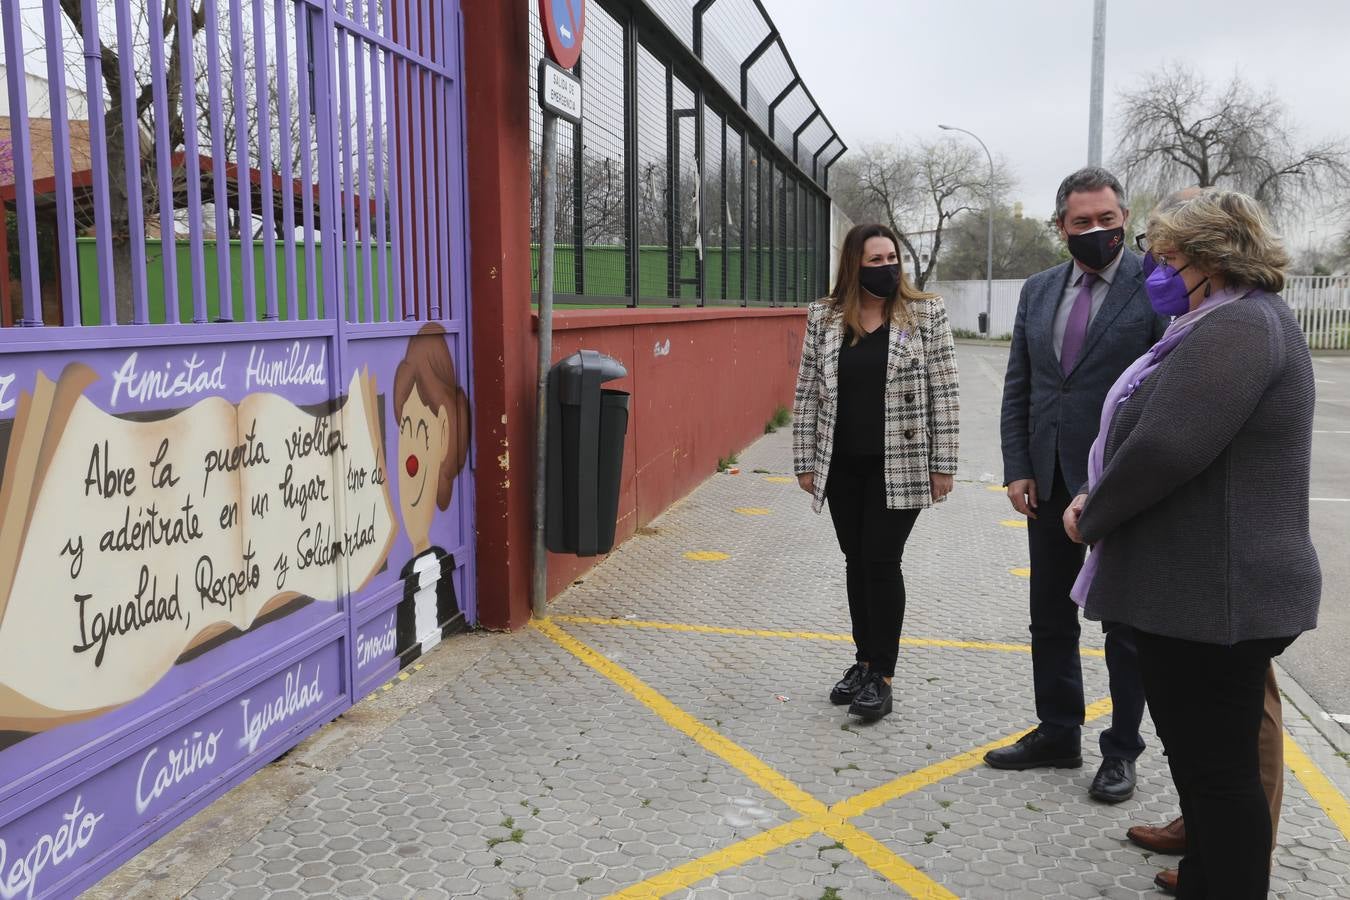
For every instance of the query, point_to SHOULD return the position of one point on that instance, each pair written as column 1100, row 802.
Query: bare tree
column 1342, row 251
column 1022, row 245
column 917, row 191
column 135, row 47
column 602, row 200
column 142, row 92
column 1177, row 130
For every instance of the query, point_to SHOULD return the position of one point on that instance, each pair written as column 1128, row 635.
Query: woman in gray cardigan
column 1197, row 510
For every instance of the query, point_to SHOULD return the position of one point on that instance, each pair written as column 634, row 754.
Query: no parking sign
column 564, row 24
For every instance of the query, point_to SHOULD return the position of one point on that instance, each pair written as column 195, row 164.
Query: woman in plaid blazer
column 875, row 428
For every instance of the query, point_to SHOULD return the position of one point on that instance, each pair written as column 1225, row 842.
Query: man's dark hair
column 1086, row 180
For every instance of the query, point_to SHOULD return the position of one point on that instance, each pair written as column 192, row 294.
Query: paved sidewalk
column 667, row 732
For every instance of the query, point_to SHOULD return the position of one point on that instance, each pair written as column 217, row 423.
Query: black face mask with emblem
column 880, row 281
column 1096, row 248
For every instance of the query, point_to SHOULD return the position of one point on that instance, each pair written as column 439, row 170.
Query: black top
column 860, row 427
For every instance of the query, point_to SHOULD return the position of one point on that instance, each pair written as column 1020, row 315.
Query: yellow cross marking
column 707, row 866
column 707, row 555
column 800, row 635
column 817, row 816
column 877, row 855
column 833, row 821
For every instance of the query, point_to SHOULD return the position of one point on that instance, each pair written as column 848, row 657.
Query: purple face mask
column 1167, row 291
column 1149, row 264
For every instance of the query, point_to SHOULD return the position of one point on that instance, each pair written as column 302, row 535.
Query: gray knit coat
column 1203, row 502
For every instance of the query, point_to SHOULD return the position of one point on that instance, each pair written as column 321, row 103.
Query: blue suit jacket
column 1051, row 419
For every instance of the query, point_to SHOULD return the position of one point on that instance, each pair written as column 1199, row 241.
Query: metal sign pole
column 548, row 204
column 559, row 93
column 1098, row 82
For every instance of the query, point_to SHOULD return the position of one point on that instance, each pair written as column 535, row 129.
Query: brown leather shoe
column 1166, row 881
column 1171, row 838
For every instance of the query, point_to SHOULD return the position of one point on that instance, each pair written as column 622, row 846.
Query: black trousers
column 1056, row 667
column 873, row 540
column 1207, row 701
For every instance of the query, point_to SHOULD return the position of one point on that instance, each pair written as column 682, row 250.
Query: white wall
column 840, row 223
column 39, row 99
column 965, row 300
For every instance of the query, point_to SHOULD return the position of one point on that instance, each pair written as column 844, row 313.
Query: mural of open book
column 129, row 543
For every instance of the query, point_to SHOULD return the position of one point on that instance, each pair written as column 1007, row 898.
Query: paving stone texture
column 532, row 775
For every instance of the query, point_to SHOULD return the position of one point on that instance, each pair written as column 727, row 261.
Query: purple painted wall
column 218, row 546
column 217, row 535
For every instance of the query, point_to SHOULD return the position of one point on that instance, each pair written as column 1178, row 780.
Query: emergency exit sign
column 559, row 91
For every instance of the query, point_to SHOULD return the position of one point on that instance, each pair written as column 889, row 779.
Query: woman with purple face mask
column 1196, row 508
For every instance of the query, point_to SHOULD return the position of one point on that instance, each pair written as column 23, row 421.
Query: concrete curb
column 1310, row 709
column 980, row 342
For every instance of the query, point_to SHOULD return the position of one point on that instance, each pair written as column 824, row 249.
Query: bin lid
column 586, row 367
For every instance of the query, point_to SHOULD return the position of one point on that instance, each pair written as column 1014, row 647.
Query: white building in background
column 39, row 94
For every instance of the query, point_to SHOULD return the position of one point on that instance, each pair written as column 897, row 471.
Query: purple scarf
column 1121, row 391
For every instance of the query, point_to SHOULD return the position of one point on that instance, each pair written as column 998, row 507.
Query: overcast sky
column 1018, row 73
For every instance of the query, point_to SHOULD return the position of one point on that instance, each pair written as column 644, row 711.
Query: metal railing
column 698, row 174
column 202, row 161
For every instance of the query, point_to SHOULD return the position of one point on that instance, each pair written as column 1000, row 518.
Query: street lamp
column 989, row 255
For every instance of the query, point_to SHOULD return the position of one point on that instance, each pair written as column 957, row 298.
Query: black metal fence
column 700, row 171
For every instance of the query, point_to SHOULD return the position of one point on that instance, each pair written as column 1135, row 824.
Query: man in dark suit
column 1079, row 326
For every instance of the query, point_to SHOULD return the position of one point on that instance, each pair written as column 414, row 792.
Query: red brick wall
column 704, row 382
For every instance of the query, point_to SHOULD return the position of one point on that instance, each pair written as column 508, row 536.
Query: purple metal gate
column 234, row 397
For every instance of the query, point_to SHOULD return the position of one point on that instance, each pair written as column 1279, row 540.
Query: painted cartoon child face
column 431, row 413
column 423, row 444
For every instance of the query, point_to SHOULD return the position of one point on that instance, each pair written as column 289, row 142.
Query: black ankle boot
column 873, row 701
column 848, row 687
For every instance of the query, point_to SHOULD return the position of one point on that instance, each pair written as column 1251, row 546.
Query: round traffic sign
column 564, row 23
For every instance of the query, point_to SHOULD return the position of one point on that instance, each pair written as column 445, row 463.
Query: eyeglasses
column 1142, row 242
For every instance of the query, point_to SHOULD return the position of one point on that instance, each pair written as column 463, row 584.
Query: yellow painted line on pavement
column 1318, row 785
column 931, row 775
column 706, row 555
column 1020, row 572
column 798, row 635
column 730, row 857
column 1014, row 523
column 881, row 859
column 703, row 629
column 758, row 771
column 753, row 510
column 965, row 645
column 996, row 487
column 814, row 815
column 835, row 824
column 779, row 479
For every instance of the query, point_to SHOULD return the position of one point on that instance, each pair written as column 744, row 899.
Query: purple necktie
column 1076, row 330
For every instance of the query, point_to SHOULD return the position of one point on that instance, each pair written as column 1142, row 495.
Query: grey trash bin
column 587, row 425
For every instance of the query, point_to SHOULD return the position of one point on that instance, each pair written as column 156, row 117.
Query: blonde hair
column 1227, row 233
column 846, row 298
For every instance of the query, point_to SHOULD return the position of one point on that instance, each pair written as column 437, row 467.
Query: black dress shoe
column 873, row 701
column 1037, row 750
column 1114, row 781
column 850, row 685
